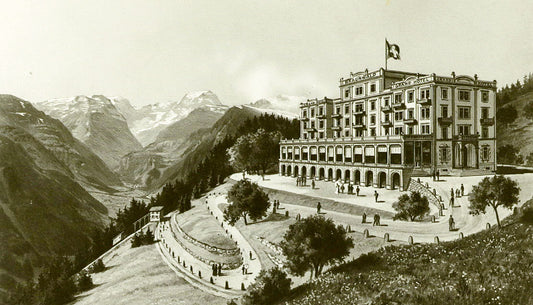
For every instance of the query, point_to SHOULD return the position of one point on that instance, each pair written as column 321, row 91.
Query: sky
column 157, row 51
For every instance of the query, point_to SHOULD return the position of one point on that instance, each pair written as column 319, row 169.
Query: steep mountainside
column 42, row 209
column 520, row 133
column 199, row 144
column 143, row 167
column 151, row 119
column 83, row 164
column 96, row 122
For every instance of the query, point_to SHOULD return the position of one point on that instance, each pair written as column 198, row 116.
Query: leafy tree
column 508, row 154
column 269, row 287
column 507, row 115
column 84, row 281
column 314, row 242
column 494, row 192
column 529, row 159
column 528, row 110
column 247, row 199
column 240, row 153
column 411, row 206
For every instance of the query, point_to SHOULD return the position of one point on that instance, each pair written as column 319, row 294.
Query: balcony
column 470, row 137
column 386, row 123
column 424, row 101
column 358, row 125
column 400, row 105
column 386, row 108
column 445, row 121
column 304, row 119
column 410, row 121
column 359, row 112
column 336, row 115
column 487, row 121
column 321, row 116
column 310, row 129
column 336, row 128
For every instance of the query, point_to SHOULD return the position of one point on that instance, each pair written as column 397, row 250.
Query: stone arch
column 395, row 181
column 313, row 172
column 296, row 171
column 357, row 176
column 338, row 174
column 369, row 178
column 282, row 169
column 289, row 173
column 330, row 174
column 304, row 171
column 321, row 173
column 382, row 180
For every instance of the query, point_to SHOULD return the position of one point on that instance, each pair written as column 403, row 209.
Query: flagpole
column 385, row 54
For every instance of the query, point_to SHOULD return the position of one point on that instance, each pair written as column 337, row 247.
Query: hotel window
column 398, row 116
column 464, row 112
column 321, row 111
column 484, row 96
column 387, row 118
column 373, row 88
column 347, row 122
column 444, row 93
column 444, row 154
column 425, row 113
column 321, row 124
column 372, row 120
column 425, row 129
column 338, row 109
column 346, row 109
column 485, row 132
column 424, row 93
column 444, row 111
column 485, row 153
column 444, row 132
column 410, row 113
column 359, row 133
column 464, row 130
column 398, row 130
column 346, row 133
column 347, row 93
column 484, row 113
column 312, row 124
column 358, row 90
column 358, row 107
column 312, row 112
column 398, row 98
column 321, row 135
column 372, row 105
column 304, row 114
column 410, row 130
column 386, row 102
column 464, row 95
column 305, row 125
column 373, row 132
column 305, row 135
column 410, row 96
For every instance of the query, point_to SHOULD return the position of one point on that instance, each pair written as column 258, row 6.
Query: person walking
column 363, row 220
column 451, row 224
column 462, row 190
column 219, row 273
column 457, row 193
column 451, row 202
column 318, row 207
column 376, row 195
column 297, row 181
column 342, row 188
column 250, row 255
column 313, row 184
column 438, row 175
column 243, row 270
column 376, row 220
column 451, row 192
column 357, row 190
column 433, row 174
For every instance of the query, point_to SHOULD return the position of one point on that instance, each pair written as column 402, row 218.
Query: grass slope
column 494, row 266
column 520, row 132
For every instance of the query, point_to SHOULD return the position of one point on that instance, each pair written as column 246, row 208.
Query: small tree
column 411, row 206
column 247, row 199
column 84, row 281
column 269, row 287
column 508, row 154
column 314, row 242
column 507, row 115
column 494, row 192
column 528, row 110
column 98, row 266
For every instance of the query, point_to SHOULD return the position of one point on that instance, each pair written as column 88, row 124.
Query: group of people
column 377, row 220
column 217, row 269
column 436, row 175
column 301, row 181
column 275, row 205
column 459, row 192
column 350, row 188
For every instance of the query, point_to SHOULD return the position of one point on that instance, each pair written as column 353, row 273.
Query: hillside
column 519, row 133
column 83, row 164
column 97, row 123
column 143, row 167
column 42, row 210
column 491, row 267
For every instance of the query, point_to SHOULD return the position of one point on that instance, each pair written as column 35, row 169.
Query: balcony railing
column 386, row 108
column 487, row 121
column 336, row 115
column 470, row 137
column 358, row 125
column 445, row 121
column 310, row 129
column 410, row 121
column 336, row 127
column 359, row 112
column 398, row 105
column 386, row 123
column 424, row 101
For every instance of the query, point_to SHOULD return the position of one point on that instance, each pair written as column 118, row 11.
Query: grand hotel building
column 388, row 126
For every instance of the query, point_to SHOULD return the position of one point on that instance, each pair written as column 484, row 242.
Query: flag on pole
column 392, row 50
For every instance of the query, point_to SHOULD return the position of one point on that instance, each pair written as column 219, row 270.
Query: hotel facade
column 388, row 126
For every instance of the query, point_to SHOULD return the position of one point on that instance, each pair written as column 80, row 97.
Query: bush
column 84, row 282
column 98, row 266
column 141, row 239
column 269, row 287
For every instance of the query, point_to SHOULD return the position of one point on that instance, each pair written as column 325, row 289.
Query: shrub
column 269, row 287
